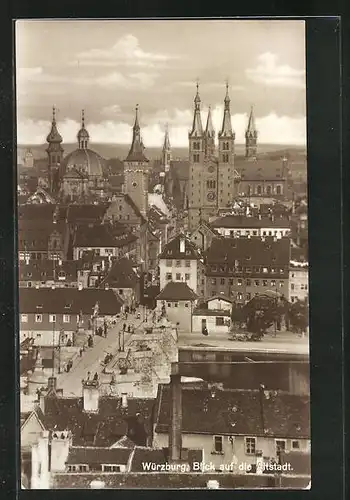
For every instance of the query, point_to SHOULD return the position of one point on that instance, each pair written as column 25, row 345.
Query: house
column 179, row 261
column 262, row 178
column 213, row 314
column 123, row 209
column 122, row 278
column 298, row 281
column 47, row 273
column 89, row 422
column 203, row 235
column 104, row 240
column 42, row 239
column 176, row 302
column 233, row 427
column 241, row 268
column 234, row 226
column 51, row 316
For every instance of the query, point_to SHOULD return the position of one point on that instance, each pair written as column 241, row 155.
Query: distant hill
column 120, row 151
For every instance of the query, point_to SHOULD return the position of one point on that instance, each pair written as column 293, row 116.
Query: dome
column 83, row 134
column 87, row 160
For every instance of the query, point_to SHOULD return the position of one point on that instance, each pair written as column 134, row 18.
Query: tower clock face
column 211, row 169
column 211, row 196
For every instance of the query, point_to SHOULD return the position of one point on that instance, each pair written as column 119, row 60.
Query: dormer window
column 39, row 306
column 111, row 468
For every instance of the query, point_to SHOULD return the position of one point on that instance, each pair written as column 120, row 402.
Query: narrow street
column 90, row 361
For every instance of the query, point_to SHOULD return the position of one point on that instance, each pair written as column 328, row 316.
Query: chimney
column 91, row 395
column 259, row 216
column 103, row 265
column 60, row 444
column 175, row 435
column 182, row 245
column 60, row 262
column 40, row 463
column 124, row 400
column 80, row 286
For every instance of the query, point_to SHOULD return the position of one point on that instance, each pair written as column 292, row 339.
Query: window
column 295, row 444
column 169, row 263
column 273, row 282
column 281, row 284
column 213, row 281
column 222, row 281
column 278, row 190
column 52, row 318
column 264, row 282
column 225, row 158
column 176, row 304
column 249, row 282
column 280, row 445
column 169, row 304
column 250, row 445
column 196, row 158
column 38, row 318
column 178, row 276
column 217, row 444
column 265, row 270
column 292, row 286
column 24, row 318
column 239, row 282
column 256, row 282
column 230, row 282
column 121, row 291
column 187, row 277
column 239, row 296
column 168, row 276
column 178, row 263
column 211, row 184
column 249, row 296
column 111, row 468
column 186, row 304
column 219, row 321
column 248, row 269
column 66, row 318
column 83, row 468
column 187, row 263
column 258, row 190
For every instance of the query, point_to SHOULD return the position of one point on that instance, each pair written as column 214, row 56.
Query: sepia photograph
column 163, row 268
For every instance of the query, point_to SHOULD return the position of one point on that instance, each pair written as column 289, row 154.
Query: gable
column 31, row 430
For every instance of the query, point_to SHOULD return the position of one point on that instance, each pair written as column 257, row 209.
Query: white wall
column 218, row 304
column 298, row 284
column 182, row 270
column 78, row 251
column 263, row 231
column 46, row 337
column 235, row 451
column 211, row 325
column 178, row 312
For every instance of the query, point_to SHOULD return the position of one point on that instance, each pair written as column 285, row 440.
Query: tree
column 238, row 317
column 298, row 316
column 264, row 311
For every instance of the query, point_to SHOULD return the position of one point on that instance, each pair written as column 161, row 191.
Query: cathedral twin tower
column 212, row 178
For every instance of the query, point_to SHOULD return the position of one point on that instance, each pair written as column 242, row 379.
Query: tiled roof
column 236, row 221
column 249, row 251
column 42, row 211
column 260, row 170
column 93, row 455
column 103, row 428
column 121, row 275
column 172, row 249
column 176, row 291
column 44, row 270
column 101, row 235
column 237, row 412
column 68, row 301
column 75, row 214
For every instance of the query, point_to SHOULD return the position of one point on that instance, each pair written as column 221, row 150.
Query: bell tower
column 55, row 153
column 226, row 174
column 83, row 135
column 251, row 137
column 136, row 169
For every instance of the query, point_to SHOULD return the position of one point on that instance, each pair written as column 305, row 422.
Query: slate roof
column 236, row 221
column 249, row 251
column 101, row 429
column 172, row 249
column 34, row 235
column 260, row 170
column 121, row 275
column 93, row 455
column 178, row 290
column 237, row 412
column 68, row 301
column 46, row 270
column 75, row 214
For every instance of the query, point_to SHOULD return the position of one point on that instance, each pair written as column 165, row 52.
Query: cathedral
column 213, row 179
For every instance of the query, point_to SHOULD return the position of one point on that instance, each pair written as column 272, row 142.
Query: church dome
column 86, row 160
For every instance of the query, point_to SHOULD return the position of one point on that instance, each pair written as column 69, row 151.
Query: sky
column 108, row 67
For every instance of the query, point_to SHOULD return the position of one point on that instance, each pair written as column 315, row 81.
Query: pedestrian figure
column 126, row 315
column 124, row 327
column 96, row 376
column 81, row 352
column 128, row 328
column 88, row 375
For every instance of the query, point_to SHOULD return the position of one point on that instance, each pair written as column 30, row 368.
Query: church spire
column 83, row 134
column 166, row 152
column 166, row 145
column 209, row 141
column 54, row 136
column 197, row 128
column 226, row 129
column 136, row 152
column 209, row 129
column 251, row 136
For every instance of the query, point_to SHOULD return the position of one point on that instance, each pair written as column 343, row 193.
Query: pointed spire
column 83, row 135
column 226, row 129
column 54, row 136
column 209, row 129
column 166, row 145
column 136, row 152
column 197, row 128
column 251, row 129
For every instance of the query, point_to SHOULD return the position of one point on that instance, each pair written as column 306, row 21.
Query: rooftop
column 174, row 250
column 236, row 221
column 176, row 291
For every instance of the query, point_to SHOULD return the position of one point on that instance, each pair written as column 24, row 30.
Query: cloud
column 126, row 51
column 268, row 72
column 114, row 109
column 273, row 129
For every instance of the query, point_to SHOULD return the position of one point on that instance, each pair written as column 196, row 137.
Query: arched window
column 278, row 190
column 258, row 189
column 268, row 190
column 249, row 189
